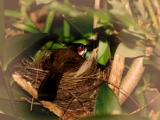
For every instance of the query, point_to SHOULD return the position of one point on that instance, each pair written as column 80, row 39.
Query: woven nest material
column 76, row 92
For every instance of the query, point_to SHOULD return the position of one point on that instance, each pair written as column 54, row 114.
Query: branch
column 131, row 79
column 116, row 73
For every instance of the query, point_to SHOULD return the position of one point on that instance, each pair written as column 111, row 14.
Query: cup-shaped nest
column 76, row 92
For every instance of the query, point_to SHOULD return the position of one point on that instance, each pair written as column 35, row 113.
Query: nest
column 76, row 92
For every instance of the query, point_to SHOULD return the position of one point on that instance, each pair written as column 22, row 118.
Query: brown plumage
column 57, row 63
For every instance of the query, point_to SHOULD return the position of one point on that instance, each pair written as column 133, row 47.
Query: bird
column 59, row 61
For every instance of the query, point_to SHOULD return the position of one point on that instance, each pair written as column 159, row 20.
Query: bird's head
column 82, row 50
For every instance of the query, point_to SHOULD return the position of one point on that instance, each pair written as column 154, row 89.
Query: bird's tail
column 49, row 86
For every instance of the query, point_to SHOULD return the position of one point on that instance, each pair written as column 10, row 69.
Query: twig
column 32, row 103
column 28, row 100
column 68, row 106
column 35, row 87
column 125, row 94
column 29, row 68
column 145, row 105
column 89, row 76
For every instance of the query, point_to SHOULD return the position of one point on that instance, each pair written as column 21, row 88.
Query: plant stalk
column 131, row 79
column 66, row 28
column 49, row 21
column 116, row 73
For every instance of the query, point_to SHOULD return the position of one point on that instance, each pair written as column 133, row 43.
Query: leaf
column 141, row 9
column 12, row 13
column 49, row 21
column 43, row 1
column 87, row 54
column 82, row 41
column 129, row 52
column 150, row 62
column 131, row 36
column 2, row 32
column 16, row 45
column 103, row 52
column 115, row 117
column 57, row 46
column 3, row 92
column 106, row 101
column 117, row 4
column 5, row 103
column 38, row 112
column 26, row 27
column 23, row 108
column 82, row 24
column 6, row 107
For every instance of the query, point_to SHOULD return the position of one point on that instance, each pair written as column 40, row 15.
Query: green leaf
column 103, row 52
column 59, row 6
column 43, row 1
column 5, row 103
column 3, row 92
column 128, row 51
column 49, row 44
column 2, row 32
column 23, row 108
column 106, row 101
column 12, row 13
column 16, row 45
column 150, row 62
column 82, row 41
column 115, row 117
column 88, row 35
column 87, row 54
column 6, row 107
column 131, row 36
column 27, row 28
column 82, row 24
column 49, row 21
column 38, row 112
column 66, row 31
column 57, row 46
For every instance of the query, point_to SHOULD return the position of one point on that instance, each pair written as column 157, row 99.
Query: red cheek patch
column 80, row 50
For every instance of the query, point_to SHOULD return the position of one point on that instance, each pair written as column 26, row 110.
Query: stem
column 5, row 74
column 66, row 29
column 105, row 6
column 140, row 95
column 49, row 21
column 96, row 7
column 1, row 22
column 116, row 73
column 131, row 79
column 11, row 13
column 25, row 15
column 154, row 19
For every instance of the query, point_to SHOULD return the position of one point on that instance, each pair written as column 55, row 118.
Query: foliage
column 131, row 36
column 107, row 102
